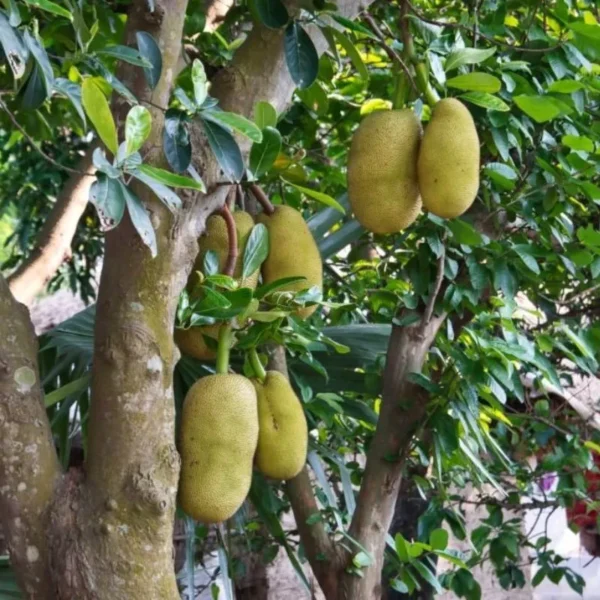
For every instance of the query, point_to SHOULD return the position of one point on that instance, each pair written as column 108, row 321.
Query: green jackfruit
column 219, row 434
column 448, row 164
column 382, row 171
column 191, row 341
column 293, row 252
column 283, row 433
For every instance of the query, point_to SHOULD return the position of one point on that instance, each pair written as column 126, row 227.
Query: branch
column 232, row 253
column 54, row 243
column 262, row 198
column 436, row 287
column 393, row 55
column 319, row 547
column 29, row 469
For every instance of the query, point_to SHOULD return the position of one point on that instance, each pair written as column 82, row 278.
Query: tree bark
column 29, row 469
column 54, row 243
column 403, row 406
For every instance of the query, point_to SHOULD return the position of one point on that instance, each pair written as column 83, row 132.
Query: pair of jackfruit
column 229, row 423
column 292, row 253
column 394, row 169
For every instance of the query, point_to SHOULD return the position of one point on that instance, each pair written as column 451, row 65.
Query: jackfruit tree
column 349, row 256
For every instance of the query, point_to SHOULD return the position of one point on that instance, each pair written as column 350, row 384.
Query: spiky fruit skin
column 219, row 433
column 293, row 252
column 192, row 343
column 282, row 433
column 382, row 171
column 448, row 164
column 215, row 238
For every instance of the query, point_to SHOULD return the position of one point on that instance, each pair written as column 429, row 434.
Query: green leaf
column 257, row 250
column 200, row 82
column 235, row 122
column 427, row 575
column 165, row 194
column 476, row 82
column 41, row 58
column 171, row 179
column 467, row 56
column 566, row 86
column 225, row 149
column 268, row 288
column 486, row 100
column 263, row 155
column 265, row 115
column 33, row 93
column 361, row 560
column 73, row 387
column 98, row 111
column 101, row 163
column 464, row 233
column 301, row 55
column 139, row 217
column 72, row 91
column 272, row 13
column 126, row 54
column 524, row 252
column 150, row 52
column 438, row 539
column 108, row 200
column 539, row 108
column 401, row 547
column 353, row 54
column 51, row 7
column 319, row 196
column 349, row 232
column 14, row 50
column 138, row 126
column 176, row 140
column 115, row 83
column 578, row 142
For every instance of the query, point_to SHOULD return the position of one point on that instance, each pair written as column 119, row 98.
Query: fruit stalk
column 232, row 237
column 262, row 198
column 224, row 348
column 257, row 366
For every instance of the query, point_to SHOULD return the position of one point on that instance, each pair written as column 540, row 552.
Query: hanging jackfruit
column 283, row 433
column 293, row 252
column 219, row 434
column 382, row 171
column 448, row 164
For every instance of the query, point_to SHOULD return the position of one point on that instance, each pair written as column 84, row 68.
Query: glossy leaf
column 265, row 115
column 14, row 50
column 34, row 91
column 257, row 250
column 467, row 56
column 106, row 196
column 150, row 52
column 476, row 82
column 165, row 194
column 272, row 13
column 171, row 179
column 351, row 52
column 138, row 126
column 226, row 150
column 72, row 91
column 126, row 54
column 98, row 111
column 486, row 100
column 325, row 199
column 200, row 82
column 177, row 145
column 264, row 154
column 236, row 122
column 41, row 58
column 539, row 108
column 51, row 7
column 139, row 217
column 301, row 55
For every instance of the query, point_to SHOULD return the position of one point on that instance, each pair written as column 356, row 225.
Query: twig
column 423, row 18
column 436, row 287
column 262, row 198
column 394, row 56
column 37, row 148
column 232, row 253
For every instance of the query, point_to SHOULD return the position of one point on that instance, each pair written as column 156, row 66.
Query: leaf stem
column 224, row 348
column 259, row 370
column 232, row 253
column 262, row 198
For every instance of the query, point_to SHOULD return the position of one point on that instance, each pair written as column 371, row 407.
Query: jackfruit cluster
column 228, row 424
column 394, row 168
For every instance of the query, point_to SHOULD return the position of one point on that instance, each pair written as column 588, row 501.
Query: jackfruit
column 191, row 341
column 293, row 252
column 448, row 164
column 219, row 434
column 382, row 171
column 282, row 433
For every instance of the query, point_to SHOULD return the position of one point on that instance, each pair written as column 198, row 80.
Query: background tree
column 431, row 349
